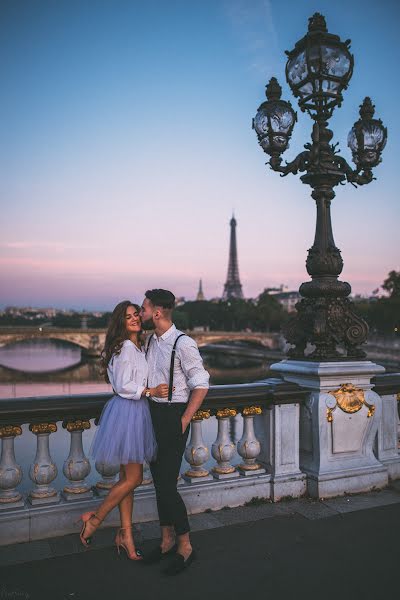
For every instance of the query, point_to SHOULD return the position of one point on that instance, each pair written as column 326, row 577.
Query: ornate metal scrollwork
column 325, row 317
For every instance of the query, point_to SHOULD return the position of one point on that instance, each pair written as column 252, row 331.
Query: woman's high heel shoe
column 85, row 518
column 119, row 544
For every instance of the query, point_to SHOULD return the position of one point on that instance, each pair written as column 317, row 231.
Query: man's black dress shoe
column 178, row 564
column 155, row 555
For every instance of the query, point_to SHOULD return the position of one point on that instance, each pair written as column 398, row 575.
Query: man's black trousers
column 165, row 469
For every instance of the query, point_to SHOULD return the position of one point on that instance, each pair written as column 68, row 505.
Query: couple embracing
column 158, row 386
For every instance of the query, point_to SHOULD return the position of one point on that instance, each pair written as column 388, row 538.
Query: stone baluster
column 223, row 449
column 10, row 471
column 76, row 467
column 248, row 446
column 108, row 472
column 398, row 420
column 196, row 452
column 43, row 470
column 387, row 442
column 147, row 478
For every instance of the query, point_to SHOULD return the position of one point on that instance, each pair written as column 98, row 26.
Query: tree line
column 262, row 314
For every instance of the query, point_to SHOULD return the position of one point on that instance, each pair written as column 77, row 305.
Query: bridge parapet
column 238, row 472
column 264, row 463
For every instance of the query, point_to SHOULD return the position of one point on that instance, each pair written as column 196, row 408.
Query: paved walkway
column 346, row 547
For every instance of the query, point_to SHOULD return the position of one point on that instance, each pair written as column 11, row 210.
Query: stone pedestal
column 278, row 431
column 338, row 425
column 387, row 442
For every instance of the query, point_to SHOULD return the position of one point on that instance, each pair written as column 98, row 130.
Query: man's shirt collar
column 166, row 334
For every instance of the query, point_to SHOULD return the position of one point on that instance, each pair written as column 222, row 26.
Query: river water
column 50, row 367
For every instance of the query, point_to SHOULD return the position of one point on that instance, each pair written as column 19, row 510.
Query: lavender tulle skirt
column 124, row 433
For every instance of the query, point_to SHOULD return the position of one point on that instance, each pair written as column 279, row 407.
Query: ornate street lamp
column 318, row 69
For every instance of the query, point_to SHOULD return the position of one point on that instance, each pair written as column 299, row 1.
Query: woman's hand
column 161, row 391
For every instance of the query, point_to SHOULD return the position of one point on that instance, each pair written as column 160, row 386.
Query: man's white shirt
column 189, row 372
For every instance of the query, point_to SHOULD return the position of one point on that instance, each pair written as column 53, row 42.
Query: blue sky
column 126, row 142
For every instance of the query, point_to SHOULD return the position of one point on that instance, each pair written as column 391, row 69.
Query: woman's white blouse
column 128, row 371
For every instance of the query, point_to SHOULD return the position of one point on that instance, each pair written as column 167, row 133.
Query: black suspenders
column 171, row 368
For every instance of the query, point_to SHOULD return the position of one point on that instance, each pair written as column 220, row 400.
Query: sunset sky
column 126, row 143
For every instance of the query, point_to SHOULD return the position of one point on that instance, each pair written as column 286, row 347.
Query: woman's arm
column 123, row 374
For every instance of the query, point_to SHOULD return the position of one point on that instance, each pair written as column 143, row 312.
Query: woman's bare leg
column 126, row 504
column 133, row 478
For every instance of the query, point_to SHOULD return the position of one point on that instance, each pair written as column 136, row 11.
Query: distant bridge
column 91, row 341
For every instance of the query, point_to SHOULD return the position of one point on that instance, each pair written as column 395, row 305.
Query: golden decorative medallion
column 43, row 427
column 349, row 399
column 10, row 430
column 200, row 415
column 226, row 412
column 250, row 411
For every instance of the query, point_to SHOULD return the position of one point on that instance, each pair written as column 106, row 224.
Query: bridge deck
column 290, row 549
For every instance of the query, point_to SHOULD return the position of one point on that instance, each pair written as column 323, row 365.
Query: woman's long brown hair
column 116, row 335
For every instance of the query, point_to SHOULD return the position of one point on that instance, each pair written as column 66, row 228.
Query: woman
column 125, row 433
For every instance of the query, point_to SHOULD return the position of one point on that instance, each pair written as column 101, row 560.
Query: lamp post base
column 338, row 425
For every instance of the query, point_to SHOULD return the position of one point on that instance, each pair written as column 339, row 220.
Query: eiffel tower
column 233, row 287
column 200, row 293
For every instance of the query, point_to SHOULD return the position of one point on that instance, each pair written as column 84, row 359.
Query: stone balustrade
column 263, row 461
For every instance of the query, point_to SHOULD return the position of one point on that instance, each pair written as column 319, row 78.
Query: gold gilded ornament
column 10, row 430
column 43, row 427
column 250, row 411
column 226, row 412
column 200, row 415
column 77, row 425
column 349, row 399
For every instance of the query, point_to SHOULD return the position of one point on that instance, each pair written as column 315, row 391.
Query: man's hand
column 195, row 401
column 185, row 423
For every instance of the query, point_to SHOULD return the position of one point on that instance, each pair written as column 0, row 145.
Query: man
column 188, row 386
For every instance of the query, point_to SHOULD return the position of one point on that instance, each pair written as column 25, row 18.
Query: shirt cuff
column 138, row 394
column 198, row 383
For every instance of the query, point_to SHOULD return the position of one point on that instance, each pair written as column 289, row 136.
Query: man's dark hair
column 163, row 298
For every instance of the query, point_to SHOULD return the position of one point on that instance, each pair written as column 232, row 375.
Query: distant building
column 272, row 291
column 200, row 294
column 287, row 300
